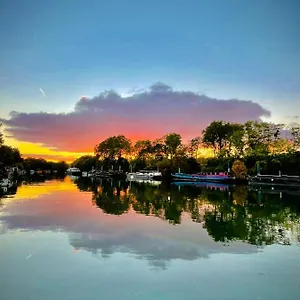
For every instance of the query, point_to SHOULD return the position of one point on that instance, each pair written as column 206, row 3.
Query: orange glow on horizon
column 28, row 149
column 38, row 150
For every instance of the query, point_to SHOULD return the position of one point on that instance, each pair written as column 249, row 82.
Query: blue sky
column 225, row 49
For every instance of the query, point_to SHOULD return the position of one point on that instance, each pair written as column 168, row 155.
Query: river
column 81, row 239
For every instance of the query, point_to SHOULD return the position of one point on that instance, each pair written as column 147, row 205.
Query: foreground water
column 64, row 240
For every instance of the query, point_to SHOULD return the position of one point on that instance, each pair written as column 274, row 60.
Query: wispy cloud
column 146, row 114
column 42, row 92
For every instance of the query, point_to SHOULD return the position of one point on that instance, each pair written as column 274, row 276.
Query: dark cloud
column 145, row 114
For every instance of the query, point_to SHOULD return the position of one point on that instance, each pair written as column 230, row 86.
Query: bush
column 239, row 169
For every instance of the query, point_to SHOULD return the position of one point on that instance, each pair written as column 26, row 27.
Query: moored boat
column 73, row 171
column 221, row 177
column 144, row 175
column 273, row 180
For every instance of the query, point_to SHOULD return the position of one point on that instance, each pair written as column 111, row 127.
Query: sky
column 73, row 72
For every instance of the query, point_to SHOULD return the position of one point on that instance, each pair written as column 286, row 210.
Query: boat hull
column 144, row 176
column 201, row 178
column 272, row 180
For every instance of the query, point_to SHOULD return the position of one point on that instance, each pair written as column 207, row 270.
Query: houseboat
column 220, row 177
column 73, row 172
column 275, row 180
column 144, row 175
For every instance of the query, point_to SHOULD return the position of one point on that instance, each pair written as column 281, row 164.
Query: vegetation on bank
column 11, row 157
column 238, row 147
column 220, row 147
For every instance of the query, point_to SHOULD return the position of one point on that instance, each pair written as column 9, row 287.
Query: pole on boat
column 119, row 168
column 258, row 168
column 179, row 171
column 279, row 173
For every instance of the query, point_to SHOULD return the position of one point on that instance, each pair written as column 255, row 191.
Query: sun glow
column 38, row 150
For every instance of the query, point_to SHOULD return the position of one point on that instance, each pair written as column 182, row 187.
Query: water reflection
column 119, row 217
column 227, row 213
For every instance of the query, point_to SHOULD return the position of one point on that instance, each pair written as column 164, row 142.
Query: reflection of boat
column 5, row 182
column 144, row 175
column 221, row 177
column 275, row 190
column 73, row 171
column 275, row 180
column 151, row 182
column 208, row 185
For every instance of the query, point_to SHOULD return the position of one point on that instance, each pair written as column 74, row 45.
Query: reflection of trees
column 112, row 199
column 235, row 214
column 86, row 184
column 158, row 201
column 256, row 218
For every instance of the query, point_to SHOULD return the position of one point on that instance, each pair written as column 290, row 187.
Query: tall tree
column 172, row 142
column 143, row 148
column 295, row 130
column 217, row 135
column 9, row 156
column 113, row 147
column 260, row 136
column 85, row 163
column 159, row 149
column 193, row 146
column 236, row 140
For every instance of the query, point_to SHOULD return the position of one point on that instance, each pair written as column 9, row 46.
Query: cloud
column 145, row 114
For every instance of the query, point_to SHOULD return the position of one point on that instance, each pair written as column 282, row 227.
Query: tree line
column 233, row 145
column 220, row 146
column 11, row 157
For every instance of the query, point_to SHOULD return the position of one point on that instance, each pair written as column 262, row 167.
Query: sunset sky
column 75, row 72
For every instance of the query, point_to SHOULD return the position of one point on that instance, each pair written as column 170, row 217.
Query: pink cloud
column 146, row 114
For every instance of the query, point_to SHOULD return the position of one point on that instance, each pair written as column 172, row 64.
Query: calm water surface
column 75, row 239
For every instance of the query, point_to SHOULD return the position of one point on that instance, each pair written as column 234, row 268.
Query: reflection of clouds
column 89, row 229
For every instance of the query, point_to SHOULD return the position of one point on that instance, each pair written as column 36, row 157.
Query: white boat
column 73, row 171
column 144, row 175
